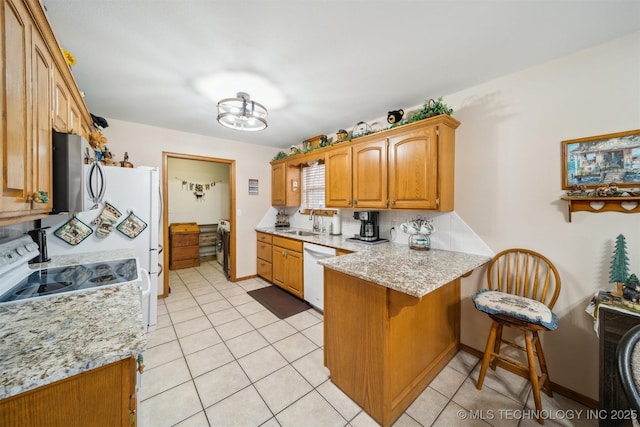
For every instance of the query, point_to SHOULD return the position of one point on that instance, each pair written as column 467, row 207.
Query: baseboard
column 556, row 388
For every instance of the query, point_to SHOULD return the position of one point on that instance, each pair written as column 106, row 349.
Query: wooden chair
column 523, row 288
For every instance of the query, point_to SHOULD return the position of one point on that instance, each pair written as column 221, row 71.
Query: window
column 313, row 187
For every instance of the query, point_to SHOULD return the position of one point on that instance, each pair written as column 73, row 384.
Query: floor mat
column 279, row 302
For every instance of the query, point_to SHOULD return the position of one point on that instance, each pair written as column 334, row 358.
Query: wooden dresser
column 613, row 402
column 184, row 245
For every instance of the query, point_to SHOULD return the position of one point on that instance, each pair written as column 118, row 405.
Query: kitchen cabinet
column 613, row 324
column 61, row 103
column 408, row 167
column 285, row 185
column 383, row 347
column 184, row 245
column 25, row 124
column 421, row 165
column 104, row 396
column 413, row 171
column 265, row 256
column 370, row 174
column 287, row 265
column 66, row 112
column 338, row 191
column 356, row 176
column 32, row 60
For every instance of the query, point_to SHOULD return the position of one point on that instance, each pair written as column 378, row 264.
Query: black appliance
column 369, row 228
column 39, row 235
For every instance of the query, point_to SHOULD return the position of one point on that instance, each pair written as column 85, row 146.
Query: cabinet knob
column 393, row 202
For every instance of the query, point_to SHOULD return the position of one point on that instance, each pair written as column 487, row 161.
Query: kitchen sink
column 301, row 233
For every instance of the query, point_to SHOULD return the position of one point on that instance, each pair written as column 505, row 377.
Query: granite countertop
column 44, row 340
column 394, row 265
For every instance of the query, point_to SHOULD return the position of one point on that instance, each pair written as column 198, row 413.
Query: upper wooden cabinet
column 370, row 174
column 33, row 64
column 413, row 169
column 338, row 191
column 356, row 175
column 25, row 126
column 408, row 167
column 61, row 102
column 67, row 117
column 285, row 185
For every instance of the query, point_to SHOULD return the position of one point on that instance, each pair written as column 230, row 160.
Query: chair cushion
column 521, row 308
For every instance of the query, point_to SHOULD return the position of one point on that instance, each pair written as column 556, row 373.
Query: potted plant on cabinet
column 430, row 108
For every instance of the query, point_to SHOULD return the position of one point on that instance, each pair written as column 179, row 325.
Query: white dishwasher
column 314, row 273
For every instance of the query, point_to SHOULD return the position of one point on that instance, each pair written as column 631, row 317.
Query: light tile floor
column 219, row 358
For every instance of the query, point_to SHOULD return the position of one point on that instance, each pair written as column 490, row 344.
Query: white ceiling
column 336, row 61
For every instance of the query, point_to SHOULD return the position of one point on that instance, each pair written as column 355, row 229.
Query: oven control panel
column 17, row 252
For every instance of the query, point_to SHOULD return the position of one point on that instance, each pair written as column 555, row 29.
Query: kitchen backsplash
column 10, row 232
column 451, row 232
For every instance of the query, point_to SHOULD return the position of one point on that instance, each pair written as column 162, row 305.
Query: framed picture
column 602, row 159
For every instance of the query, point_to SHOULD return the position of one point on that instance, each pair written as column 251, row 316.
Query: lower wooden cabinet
column 104, row 396
column 383, row 347
column 184, row 245
column 265, row 256
column 287, row 265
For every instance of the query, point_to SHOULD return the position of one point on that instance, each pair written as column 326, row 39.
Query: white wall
column 145, row 145
column 184, row 206
column 508, row 186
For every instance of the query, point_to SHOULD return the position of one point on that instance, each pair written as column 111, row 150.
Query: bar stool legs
column 533, row 349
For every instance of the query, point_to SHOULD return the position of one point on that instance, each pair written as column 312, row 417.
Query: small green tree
column 632, row 282
column 619, row 262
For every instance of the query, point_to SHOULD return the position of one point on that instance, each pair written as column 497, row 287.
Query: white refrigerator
column 129, row 190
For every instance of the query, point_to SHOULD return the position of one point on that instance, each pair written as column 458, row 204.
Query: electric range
column 18, row 281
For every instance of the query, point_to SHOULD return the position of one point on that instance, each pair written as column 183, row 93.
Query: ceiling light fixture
column 241, row 113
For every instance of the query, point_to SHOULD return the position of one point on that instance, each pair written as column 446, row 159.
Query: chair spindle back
column 525, row 273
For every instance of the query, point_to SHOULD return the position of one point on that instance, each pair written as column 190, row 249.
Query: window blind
column 313, row 187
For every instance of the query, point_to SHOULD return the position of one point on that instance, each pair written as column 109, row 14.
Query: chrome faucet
column 313, row 217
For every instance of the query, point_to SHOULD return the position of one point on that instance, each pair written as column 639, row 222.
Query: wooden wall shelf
column 602, row 204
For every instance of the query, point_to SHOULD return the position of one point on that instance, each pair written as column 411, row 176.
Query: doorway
column 197, row 189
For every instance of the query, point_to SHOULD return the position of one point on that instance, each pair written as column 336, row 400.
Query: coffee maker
column 369, row 229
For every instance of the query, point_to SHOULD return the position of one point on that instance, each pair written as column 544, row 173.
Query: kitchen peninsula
column 391, row 323
column 391, row 318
